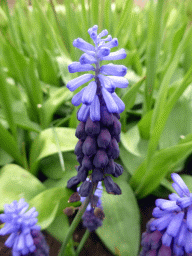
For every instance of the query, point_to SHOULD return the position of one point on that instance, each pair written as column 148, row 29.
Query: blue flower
column 93, row 216
column 173, row 221
column 107, row 77
column 19, row 224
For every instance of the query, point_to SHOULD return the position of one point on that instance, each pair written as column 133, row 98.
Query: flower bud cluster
column 170, row 230
column 93, row 216
column 21, row 226
column 96, row 150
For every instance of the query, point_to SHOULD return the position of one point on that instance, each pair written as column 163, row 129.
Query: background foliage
column 38, row 121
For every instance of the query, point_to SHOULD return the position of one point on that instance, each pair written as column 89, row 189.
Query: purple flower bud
column 77, row 98
column 106, row 83
column 113, row 149
column 103, row 33
column 89, row 93
column 106, row 117
column 83, row 113
column 110, row 103
column 178, row 180
column 76, row 82
column 90, row 221
column 112, row 43
column 104, row 51
column 104, row 138
column 92, row 128
column 87, row 163
column 189, row 219
column 116, row 128
column 80, row 131
column 80, row 158
column 118, row 81
column 89, row 146
column 95, row 109
column 77, row 67
column 101, row 159
column 111, row 186
column 78, row 148
column 85, row 188
column 118, row 170
column 83, row 45
column 87, row 59
column 73, row 182
column 114, row 70
column 82, row 174
column 119, row 102
column 97, row 175
column 42, row 248
column 110, row 168
column 121, row 54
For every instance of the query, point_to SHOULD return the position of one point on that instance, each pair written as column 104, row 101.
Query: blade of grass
column 153, row 49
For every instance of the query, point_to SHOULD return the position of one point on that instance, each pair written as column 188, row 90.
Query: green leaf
column 15, row 183
column 59, row 227
column 55, row 100
column 133, row 143
column 51, row 167
column 47, row 205
column 121, row 226
column 163, row 161
column 4, row 157
column 45, row 144
column 144, row 125
column 8, row 143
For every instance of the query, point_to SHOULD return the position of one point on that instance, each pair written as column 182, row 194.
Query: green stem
column 76, row 221
column 83, row 240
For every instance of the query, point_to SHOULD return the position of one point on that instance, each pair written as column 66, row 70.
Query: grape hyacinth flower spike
column 93, row 216
column 99, row 128
column 170, row 231
column 25, row 236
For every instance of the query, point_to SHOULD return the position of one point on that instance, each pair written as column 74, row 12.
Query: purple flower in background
column 21, row 226
column 100, row 92
column 93, row 216
column 170, row 231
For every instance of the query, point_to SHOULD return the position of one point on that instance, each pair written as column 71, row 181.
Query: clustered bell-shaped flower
column 99, row 128
column 93, row 216
column 101, row 91
column 170, row 231
column 21, row 225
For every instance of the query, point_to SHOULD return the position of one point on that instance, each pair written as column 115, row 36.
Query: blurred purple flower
column 21, row 226
column 170, row 230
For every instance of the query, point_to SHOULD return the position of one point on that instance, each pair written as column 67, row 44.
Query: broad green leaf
column 121, row 226
column 51, row 167
column 70, row 163
column 133, row 143
column 47, row 205
column 15, row 183
column 46, row 144
column 163, row 161
column 59, row 227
